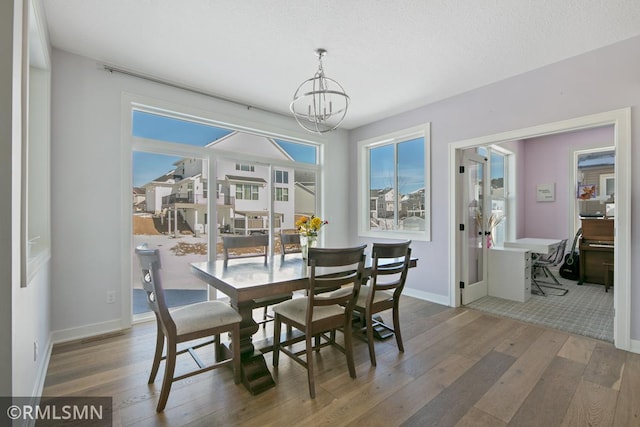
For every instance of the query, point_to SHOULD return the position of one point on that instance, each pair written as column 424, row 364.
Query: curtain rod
column 113, row 69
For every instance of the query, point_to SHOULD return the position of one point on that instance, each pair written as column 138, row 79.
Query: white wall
column 24, row 311
column 87, row 250
column 603, row 80
column 10, row 40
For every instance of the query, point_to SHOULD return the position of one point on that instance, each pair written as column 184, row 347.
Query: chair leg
column 169, row 368
column 235, row 344
column 310, row 377
column 537, row 285
column 276, row 339
column 157, row 356
column 264, row 318
column 217, row 348
column 396, row 326
column 372, row 352
column 348, row 347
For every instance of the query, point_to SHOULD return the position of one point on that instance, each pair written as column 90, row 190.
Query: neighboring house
column 242, row 199
column 411, row 211
column 156, row 190
column 139, row 199
column 413, row 204
column 305, row 198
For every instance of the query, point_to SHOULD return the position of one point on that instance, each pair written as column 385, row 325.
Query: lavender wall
column 548, row 160
column 599, row 81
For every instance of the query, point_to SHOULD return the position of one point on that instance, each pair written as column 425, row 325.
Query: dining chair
column 390, row 265
column 260, row 242
column 335, row 276
column 187, row 323
column 289, row 244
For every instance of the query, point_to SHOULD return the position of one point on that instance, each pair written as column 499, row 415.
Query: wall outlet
column 111, row 297
column 35, row 351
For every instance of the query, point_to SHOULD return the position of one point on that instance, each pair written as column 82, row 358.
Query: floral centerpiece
column 308, row 228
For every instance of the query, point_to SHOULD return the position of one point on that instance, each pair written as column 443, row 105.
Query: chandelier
column 320, row 104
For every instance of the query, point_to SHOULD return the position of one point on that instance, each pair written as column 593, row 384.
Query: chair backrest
column 390, row 266
column 562, row 247
column 330, row 269
column 555, row 257
column 152, row 284
column 286, row 242
column 239, row 242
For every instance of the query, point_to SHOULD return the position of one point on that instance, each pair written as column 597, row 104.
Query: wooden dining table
column 246, row 280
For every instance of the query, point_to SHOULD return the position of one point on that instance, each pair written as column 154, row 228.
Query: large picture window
column 394, row 185
column 177, row 161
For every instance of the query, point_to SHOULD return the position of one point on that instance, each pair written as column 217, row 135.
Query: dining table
column 246, row 280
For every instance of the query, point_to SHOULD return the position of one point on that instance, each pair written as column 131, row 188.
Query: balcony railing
column 183, row 198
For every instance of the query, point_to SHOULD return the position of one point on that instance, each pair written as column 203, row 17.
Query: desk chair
column 384, row 291
column 541, row 265
column 188, row 323
column 328, row 306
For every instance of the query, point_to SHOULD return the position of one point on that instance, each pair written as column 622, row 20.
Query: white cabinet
column 510, row 273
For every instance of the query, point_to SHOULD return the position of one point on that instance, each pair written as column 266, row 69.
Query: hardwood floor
column 460, row 368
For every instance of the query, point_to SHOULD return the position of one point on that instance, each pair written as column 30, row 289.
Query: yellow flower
column 310, row 226
column 316, row 223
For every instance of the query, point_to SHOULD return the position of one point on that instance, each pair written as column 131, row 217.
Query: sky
column 148, row 166
column 410, row 166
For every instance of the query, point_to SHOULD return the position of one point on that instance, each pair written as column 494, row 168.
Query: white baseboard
column 635, row 346
column 86, row 331
column 427, row 296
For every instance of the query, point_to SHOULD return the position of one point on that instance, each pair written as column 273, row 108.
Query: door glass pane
column 498, row 205
column 169, row 213
column 475, row 220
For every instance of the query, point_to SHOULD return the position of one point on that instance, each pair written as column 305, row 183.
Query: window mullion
column 396, row 190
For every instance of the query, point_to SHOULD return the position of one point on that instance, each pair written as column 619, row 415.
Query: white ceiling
column 390, row 55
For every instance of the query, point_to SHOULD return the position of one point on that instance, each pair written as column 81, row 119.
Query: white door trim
column 621, row 120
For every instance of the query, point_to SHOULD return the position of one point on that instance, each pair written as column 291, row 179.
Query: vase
column 307, row 242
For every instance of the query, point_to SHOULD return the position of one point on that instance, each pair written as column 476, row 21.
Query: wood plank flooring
column 460, row 368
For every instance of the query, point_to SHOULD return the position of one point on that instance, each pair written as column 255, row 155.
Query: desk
column 535, row 245
column 538, row 246
column 246, row 280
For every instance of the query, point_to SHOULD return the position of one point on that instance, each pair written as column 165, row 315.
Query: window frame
column 364, row 174
column 283, row 177
column 251, row 190
column 281, row 194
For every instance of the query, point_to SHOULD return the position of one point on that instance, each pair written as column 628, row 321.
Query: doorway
column 620, row 119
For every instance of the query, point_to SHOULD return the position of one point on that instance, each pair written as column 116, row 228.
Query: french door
column 476, row 205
